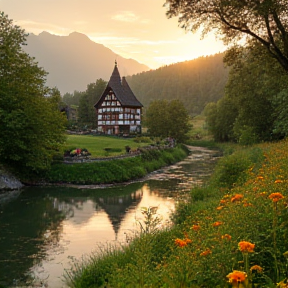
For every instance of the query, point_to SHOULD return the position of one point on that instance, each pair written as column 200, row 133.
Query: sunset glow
column 133, row 29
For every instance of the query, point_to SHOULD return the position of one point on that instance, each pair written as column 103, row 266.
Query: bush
column 142, row 139
column 233, row 169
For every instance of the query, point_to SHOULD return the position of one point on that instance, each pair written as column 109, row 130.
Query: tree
column 263, row 21
column 86, row 112
column 72, row 99
column 32, row 128
column 254, row 108
column 168, row 119
column 220, row 118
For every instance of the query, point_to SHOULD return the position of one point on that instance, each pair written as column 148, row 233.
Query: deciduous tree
column 263, row 21
column 31, row 126
column 168, row 119
column 86, row 112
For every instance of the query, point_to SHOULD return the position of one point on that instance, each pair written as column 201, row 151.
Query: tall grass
column 244, row 205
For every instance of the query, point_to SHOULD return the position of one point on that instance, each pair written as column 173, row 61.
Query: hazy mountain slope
column 195, row 82
column 74, row 61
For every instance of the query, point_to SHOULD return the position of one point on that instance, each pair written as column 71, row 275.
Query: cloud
column 125, row 16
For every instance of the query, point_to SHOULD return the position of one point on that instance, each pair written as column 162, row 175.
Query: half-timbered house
column 118, row 111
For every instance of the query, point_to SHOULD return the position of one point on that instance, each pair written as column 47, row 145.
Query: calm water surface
column 44, row 229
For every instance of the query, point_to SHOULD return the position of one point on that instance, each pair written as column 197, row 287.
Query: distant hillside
column 74, row 61
column 195, row 82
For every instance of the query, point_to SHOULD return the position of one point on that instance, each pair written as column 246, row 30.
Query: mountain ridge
column 74, row 61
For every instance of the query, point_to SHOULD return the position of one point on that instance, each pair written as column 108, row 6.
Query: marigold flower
column 237, row 197
column 246, row 247
column 196, row 227
column 237, row 276
column 180, row 242
column 226, row 236
column 217, row 223
column 260, row 177
column 256, row 268
column 278, row 181
column 222, row 201
column 206, row 252
column 187, row 240
column 275, row 197
column 220, row 207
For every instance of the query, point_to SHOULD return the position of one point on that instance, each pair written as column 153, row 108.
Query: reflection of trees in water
column 24, row 223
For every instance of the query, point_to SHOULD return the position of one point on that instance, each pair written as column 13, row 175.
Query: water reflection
column 43, row 229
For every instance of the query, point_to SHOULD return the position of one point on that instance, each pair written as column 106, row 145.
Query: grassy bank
column 115, row 171
column 100, row 146
column 235, row 225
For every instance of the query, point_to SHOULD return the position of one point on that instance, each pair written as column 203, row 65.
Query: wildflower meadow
column 236, row 235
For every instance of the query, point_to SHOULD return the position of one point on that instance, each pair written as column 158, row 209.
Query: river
column 43, row 230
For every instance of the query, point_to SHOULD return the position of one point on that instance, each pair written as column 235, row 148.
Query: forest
column 195, row 83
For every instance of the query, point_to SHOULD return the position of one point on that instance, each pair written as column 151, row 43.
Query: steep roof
column 121, row 90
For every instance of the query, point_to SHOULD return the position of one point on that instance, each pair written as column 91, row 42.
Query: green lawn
column 97, row 144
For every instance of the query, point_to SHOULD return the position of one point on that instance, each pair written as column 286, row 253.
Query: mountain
column 194, row 82
column 74, row 61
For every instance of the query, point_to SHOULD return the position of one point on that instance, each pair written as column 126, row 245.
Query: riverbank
column 115, row 170
column 238, row 221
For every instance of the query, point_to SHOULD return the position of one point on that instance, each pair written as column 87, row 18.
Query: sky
column 137, row 29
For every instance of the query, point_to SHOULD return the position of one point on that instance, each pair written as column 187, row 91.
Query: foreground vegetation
column 234, row 226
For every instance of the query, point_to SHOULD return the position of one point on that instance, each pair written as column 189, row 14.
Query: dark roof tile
column 121, row 89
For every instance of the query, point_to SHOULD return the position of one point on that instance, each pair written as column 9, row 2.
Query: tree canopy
column 254, row 107
column 167, row 119
column 263, row 21
column 86, row 110
column 32, row 128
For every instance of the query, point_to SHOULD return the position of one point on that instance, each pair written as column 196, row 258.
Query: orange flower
column 196, row 227
column 278, row 181
column 226, row 236
column 260, row 177
column 206, row 252
column 222, row 201
column 237, row 197
column 187, row 240
column 220, row 207
column 217, row 223
column 246, row 247
column 276, row 196
column 256, row 268
column 237, row 277
column 180, row 242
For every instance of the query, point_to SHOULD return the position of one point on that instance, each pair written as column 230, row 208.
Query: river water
column 44, row 229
